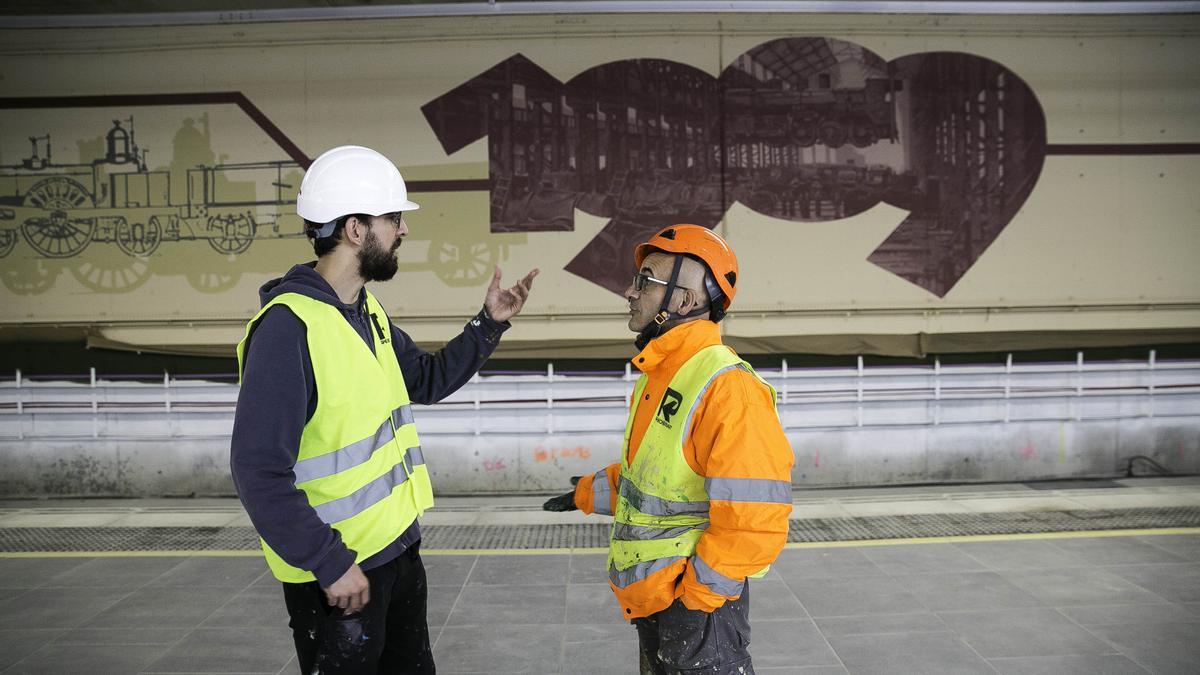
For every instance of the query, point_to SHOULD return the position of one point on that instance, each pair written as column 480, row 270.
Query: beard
column 376, row 263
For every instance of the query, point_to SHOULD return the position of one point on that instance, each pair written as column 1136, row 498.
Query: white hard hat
column 351, row 179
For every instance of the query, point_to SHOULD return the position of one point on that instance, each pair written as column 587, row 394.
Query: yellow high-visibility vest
column 662, row 504
column 360, row 462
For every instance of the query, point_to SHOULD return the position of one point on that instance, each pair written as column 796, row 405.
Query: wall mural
column 109, row 216
column 803, row 129
column 111, row 210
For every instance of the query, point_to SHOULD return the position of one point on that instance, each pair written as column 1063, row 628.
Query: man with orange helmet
column 702, row 494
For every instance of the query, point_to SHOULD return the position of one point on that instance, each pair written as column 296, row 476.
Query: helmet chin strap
column 658, row 325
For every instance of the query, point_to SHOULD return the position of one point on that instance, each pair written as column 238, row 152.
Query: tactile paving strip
column 595, row 535
column 67, row 539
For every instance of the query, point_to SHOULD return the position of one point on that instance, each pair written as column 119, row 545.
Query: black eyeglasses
column 641, row 279
column 396, row 217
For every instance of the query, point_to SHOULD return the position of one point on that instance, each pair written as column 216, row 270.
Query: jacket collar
column 676, row 346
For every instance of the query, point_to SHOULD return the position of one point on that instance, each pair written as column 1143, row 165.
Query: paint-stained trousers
column 389, row 635
column 679, row 641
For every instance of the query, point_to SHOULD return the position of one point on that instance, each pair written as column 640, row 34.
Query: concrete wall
column 531, row 433
column 468, row 464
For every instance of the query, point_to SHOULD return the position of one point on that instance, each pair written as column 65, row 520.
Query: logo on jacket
column 384, row 336
column 669, row 407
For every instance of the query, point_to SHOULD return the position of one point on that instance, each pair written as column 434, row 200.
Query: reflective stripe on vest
column 354, row 454
column 371, row 493
column 657, row 506
column 624, row 532
column 629, row 575
column 601, row 494
column 717, row 583
column 687, row 425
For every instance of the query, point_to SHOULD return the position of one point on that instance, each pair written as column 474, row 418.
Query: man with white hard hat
column 325, row 455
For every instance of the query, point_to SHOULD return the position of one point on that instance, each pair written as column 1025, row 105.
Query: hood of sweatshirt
column 304, row 280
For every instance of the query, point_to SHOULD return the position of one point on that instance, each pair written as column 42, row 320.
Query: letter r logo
column 670, row 405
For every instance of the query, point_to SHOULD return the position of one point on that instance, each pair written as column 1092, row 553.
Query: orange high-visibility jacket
column 735, row 434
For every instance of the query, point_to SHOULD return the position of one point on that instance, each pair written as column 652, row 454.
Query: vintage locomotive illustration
column 78, row 197
column 61, row 209
column 107, row 220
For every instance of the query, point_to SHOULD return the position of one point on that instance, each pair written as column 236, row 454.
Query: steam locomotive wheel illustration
column 58, row 236
column 113, row 274
column 230, row 234
column 37, row 277
column 8, row 239
column 58, row 192
column 139, row 240
column 462, row 263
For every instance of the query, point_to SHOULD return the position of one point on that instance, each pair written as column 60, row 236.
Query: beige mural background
column 1103, row 252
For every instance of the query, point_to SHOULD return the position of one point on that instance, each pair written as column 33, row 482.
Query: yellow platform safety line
column 249, row 553
column 1022, row 536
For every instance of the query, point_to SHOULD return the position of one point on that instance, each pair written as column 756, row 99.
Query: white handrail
column 878, row 396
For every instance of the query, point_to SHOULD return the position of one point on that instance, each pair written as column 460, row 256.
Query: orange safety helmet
column 701, row 243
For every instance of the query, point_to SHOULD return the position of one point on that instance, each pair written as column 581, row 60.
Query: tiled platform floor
column 1054, row 603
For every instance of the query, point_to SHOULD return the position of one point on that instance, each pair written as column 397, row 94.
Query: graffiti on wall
column 802, row 129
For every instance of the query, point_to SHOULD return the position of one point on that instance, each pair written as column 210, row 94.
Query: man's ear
column 689, row 302
column 355, row 230
column 698, row 300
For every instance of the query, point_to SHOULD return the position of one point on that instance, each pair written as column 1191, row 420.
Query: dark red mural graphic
column 804, row 129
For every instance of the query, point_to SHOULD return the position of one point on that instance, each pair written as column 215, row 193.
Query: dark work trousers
column 679, row 640
column 389, row 635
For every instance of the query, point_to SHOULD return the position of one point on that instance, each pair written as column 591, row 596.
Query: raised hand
column 503, row 304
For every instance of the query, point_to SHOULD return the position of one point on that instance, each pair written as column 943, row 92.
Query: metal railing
column 549, row 403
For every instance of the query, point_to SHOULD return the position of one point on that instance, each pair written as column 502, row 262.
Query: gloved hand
column 564, row 502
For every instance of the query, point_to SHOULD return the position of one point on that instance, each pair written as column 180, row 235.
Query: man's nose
column 630, row 293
